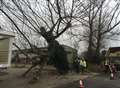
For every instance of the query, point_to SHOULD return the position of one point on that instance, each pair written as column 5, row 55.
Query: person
column 113, row 71
column 83, row 65
column 76, row 65
column 106, row 66
column 113, row 68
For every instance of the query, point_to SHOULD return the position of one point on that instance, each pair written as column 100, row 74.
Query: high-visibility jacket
column 83, row 63
column 106, row 62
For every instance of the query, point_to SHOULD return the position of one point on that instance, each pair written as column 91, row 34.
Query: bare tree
column 106, row 23
column 99, row 24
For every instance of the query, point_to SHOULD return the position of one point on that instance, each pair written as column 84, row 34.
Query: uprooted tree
column 48, row 18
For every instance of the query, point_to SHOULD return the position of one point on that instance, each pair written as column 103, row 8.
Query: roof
column 114, row 49
column 45, row 50
column 4, row 33
column 65, row 46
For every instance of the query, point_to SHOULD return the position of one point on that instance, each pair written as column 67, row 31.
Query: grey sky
column 65, row 39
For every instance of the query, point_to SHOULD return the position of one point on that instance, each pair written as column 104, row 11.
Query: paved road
column 101, row 82
column 95, row 82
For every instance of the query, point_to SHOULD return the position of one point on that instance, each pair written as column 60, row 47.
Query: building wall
column 71, row 53
column 4, row 50
column 113, row 57
column 115, row 54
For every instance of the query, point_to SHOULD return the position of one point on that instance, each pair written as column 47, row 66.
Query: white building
column 6, row 39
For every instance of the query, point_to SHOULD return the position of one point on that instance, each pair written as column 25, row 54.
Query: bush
column 94, row 67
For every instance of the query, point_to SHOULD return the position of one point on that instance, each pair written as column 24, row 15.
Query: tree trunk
column 24, row 74
column 90, row 44
column 97, row 51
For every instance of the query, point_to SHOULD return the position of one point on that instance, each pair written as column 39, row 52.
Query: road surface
column 100, row 81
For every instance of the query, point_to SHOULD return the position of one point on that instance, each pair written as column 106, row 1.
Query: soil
column 11, row 78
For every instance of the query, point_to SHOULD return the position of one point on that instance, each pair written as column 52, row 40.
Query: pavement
column 101, row 82
column 90, row 80
column 97, row 81
column 48, row 79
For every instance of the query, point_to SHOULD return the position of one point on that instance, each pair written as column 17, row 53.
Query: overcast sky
column 65, row 39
